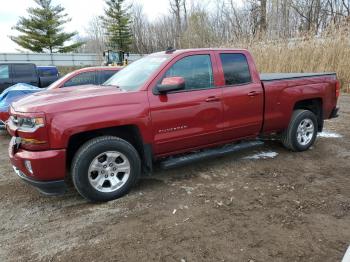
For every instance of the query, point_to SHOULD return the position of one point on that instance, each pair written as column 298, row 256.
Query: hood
column 63, row 99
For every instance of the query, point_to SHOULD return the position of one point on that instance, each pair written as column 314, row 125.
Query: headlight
column 28, row 123
column 31, row 129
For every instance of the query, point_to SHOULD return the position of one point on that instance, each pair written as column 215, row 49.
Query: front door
column 190, row 118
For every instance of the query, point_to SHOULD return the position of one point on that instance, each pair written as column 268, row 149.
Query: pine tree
column 117, row 25
column 42, row 31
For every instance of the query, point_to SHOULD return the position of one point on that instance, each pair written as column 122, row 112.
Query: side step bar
column 173, row 162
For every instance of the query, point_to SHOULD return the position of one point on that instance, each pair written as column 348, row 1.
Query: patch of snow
column 346, row 257
column 328, row 134
column 262, row 155
column 188, row 189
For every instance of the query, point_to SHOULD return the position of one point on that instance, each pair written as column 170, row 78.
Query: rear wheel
column 105, row 168
column 301, row 132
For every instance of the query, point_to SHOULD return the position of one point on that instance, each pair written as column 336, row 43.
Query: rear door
column 5, row 77
column 188, row 118
column 243, row 98
column 25, row 73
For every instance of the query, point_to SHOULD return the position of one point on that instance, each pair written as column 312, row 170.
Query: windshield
column 133, row 76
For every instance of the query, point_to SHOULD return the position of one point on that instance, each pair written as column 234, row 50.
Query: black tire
column 88, row 152
column 289, row 136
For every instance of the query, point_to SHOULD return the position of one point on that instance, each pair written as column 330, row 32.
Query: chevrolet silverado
column 164, row 107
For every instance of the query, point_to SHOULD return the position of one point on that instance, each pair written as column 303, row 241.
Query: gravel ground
column 266, row 204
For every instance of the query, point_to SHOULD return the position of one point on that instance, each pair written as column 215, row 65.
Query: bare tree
column 140, row 28
column 175, row 8
column 204, row 24
column 95, row 37
column 263, row 23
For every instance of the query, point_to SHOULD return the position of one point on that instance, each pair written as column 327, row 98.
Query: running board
column 172, row 162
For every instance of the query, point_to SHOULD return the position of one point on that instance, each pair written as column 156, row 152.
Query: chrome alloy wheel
column 109, row 171
column 305, row 131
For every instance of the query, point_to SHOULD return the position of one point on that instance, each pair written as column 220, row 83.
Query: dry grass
column 329, row 53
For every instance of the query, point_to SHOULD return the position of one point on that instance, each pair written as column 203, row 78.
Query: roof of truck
column 180, row 51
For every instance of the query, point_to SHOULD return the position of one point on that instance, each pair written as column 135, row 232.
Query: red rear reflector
column 337, row 89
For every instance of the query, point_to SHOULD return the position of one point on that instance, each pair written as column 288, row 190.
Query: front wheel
column 302, row 131
column 105, row 168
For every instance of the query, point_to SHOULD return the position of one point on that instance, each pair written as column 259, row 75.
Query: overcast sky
column 81, row 11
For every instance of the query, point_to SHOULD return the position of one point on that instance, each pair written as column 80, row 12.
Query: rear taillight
column 337, row 89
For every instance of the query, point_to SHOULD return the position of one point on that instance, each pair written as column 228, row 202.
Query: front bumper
column 48, row 167
column 56, row 187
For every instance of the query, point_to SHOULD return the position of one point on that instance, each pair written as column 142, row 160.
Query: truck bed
column 282, row 76
column 282, row 88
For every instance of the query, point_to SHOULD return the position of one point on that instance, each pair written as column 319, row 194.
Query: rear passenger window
column 22, row 71
column 4, row 72
column 236, row 69
column 87, row 78
column 196, row 70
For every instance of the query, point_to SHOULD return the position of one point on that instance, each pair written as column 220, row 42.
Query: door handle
column 253, row 93
column 212, row 99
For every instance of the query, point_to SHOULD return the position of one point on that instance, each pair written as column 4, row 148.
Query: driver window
column 196, row 70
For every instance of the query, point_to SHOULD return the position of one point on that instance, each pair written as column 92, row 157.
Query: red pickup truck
column 160, row 109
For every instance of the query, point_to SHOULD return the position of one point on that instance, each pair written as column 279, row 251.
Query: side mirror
column 170, row 84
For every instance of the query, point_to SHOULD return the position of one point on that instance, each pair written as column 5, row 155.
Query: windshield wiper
column 112, row 86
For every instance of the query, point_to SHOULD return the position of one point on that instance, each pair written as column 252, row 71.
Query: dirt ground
column 293, row 207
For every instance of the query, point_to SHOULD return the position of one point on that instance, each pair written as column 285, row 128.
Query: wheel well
column 129, row 133
column 315, row 106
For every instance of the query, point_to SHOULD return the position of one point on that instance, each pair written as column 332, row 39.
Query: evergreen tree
column 43, row 31
column 117, row 25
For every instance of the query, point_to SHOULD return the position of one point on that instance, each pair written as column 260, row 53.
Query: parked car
column 13, row 73
column 84, row 76
column 169, row 107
